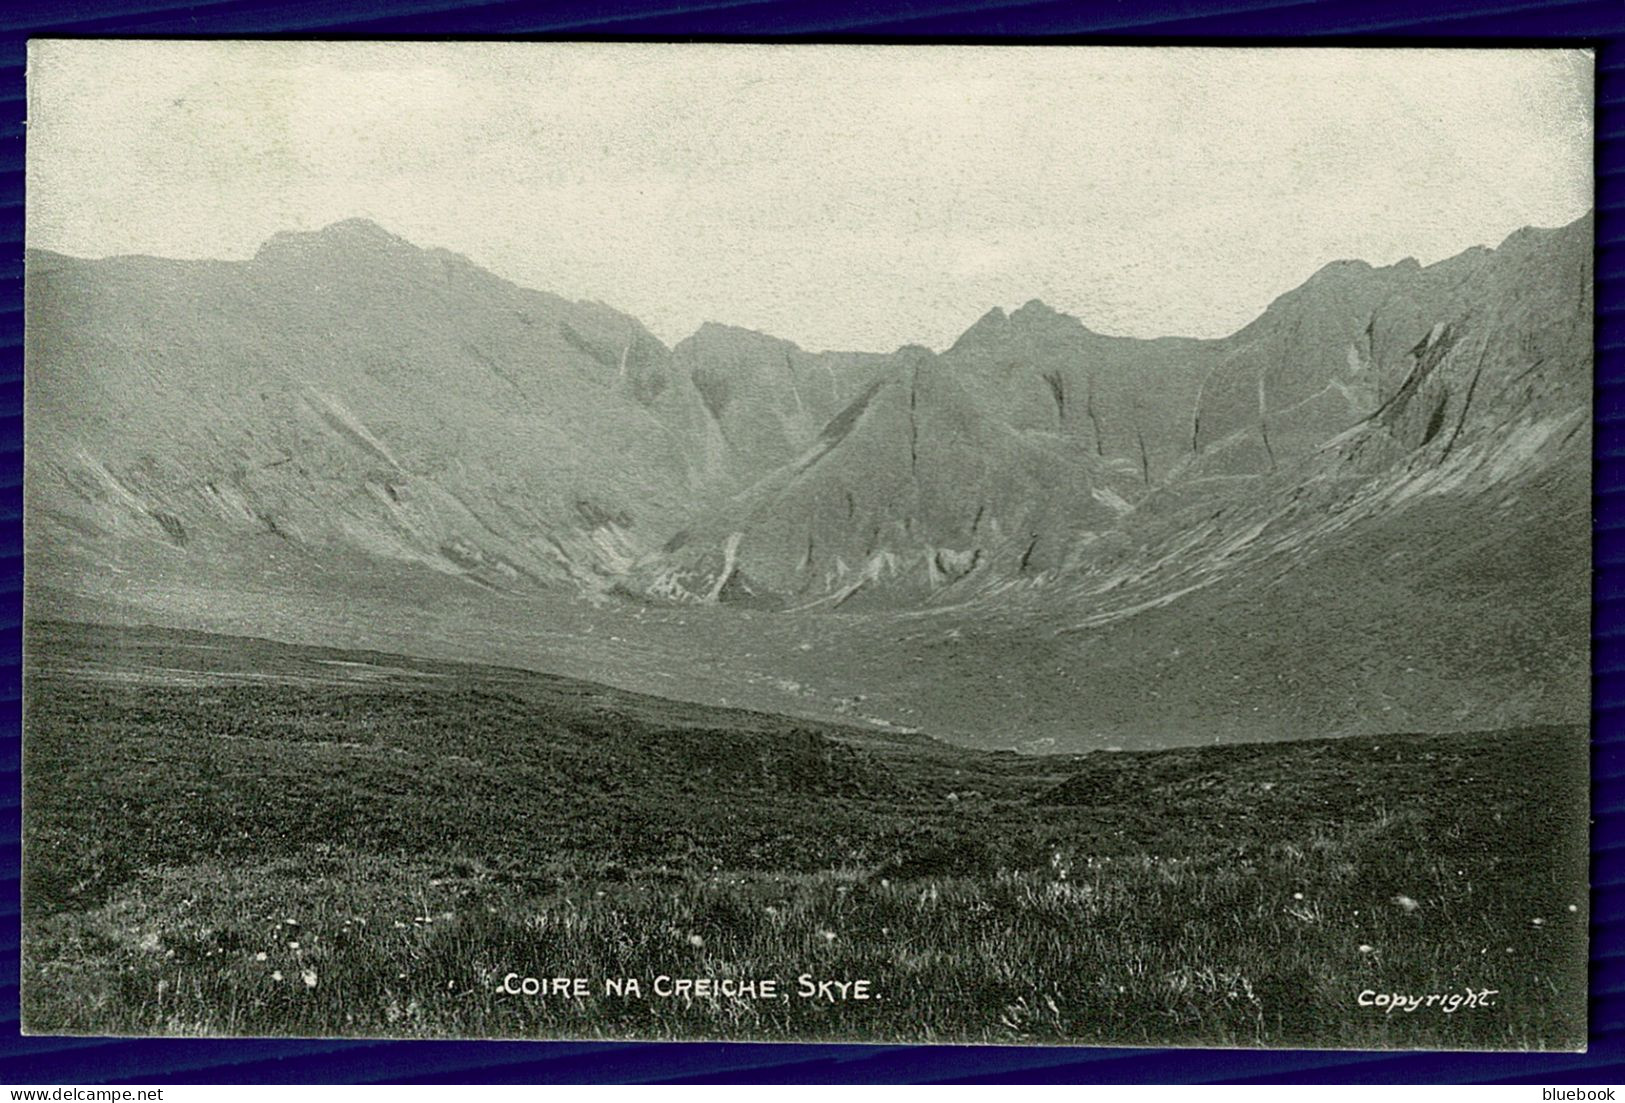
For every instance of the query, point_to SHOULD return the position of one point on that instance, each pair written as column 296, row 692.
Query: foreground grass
column 231, row 855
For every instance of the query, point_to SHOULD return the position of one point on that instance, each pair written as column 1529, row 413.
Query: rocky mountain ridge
column 347, row 388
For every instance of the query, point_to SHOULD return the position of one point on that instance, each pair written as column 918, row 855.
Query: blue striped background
column 85, row 1061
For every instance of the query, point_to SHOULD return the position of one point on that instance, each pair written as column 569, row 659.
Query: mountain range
column 1368, row 508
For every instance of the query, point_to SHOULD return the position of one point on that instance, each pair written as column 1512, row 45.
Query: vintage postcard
column 861, row 543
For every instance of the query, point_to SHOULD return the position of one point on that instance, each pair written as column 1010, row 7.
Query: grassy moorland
column 228, row 836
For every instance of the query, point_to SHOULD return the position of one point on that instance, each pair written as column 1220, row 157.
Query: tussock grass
column 395, row 850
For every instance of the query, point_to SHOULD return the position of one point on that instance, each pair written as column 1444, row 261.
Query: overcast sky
column 842, row 197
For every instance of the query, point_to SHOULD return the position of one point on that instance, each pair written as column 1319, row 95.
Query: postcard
column 1011, row 545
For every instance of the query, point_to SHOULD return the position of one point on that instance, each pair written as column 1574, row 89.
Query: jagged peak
column 1342, row 273
column 348, row 233
column 1033, row 315
column 711, row 332
column 356, row 227
column 1035, row 309
column 714, row 328
column 1523, row 236
column 1471, row 256
column 1036, row 312
column 1340, row 269
column 1529, row 234
column 986, row 328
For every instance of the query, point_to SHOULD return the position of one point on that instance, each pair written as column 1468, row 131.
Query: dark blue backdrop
column 1500, row 22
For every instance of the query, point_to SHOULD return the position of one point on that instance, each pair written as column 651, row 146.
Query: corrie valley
column 1200, row 659
column 806, row 987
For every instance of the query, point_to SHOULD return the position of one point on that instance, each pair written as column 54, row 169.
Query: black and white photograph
column 1012, row 545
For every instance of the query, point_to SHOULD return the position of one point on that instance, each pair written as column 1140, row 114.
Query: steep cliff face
column 1035, row 450
column 1295, row 377
column 1401, row 344
column 917, row 482
column 1125, row 400
column 764, row 399
column 990, row 460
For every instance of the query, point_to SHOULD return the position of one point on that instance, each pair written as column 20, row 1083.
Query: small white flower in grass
column 309, row 977
column 277, row 975
column 399, row 926
column 1406, row 902
column 1537, row 922
column 260, row 956
column 1574, row 907
column 1365, row 947
column 827, row 936
column 291, row 922
column 696, row 941
column 1297, row 896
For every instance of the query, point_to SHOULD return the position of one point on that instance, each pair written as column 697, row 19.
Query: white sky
column 843, row 197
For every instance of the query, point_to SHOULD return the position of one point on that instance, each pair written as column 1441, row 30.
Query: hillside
column 344, row 390
column 1367, row 510
column 330, row 843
